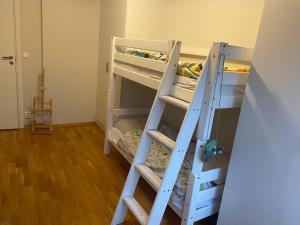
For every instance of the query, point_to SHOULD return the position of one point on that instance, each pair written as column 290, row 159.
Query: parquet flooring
column 64, row 179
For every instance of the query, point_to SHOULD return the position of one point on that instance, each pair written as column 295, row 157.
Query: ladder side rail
column 110, row 99
column 145, row 142
column 183, row 139
column 215, row 75
column 168, row 79
column 216, row 97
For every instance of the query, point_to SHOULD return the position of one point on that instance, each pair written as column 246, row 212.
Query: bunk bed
column 144, row 62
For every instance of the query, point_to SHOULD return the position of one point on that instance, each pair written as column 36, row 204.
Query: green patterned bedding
column 158, row 158
column 185, row 69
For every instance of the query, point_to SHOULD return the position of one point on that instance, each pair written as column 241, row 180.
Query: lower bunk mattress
column 125, row 136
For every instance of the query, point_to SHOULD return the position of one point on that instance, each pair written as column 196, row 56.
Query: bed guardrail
column 206, row 211
column 137, row 77
column 242, row 54
column 210, row 193
column 233, row 78
column 160, row 46
column 131, row 111
column 213, row 175
column 152, row 64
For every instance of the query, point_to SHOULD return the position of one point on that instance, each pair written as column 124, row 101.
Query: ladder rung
column 175, row 101
column 169, row 143
column 149, row 176
column 136, row 209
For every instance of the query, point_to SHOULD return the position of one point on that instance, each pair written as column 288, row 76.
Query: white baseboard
column 100, row 124
column 27, row 122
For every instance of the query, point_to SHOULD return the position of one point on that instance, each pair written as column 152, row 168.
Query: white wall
column 112, row 23
column 263, row 183
column 71, row 48
column 71, row 43
column 146, row 19
column 197, row 23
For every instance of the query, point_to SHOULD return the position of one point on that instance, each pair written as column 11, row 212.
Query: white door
column 8, row 75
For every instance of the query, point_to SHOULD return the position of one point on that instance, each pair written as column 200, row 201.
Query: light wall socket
column 27, row 115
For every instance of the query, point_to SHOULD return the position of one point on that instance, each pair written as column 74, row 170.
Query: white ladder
column 179, row 148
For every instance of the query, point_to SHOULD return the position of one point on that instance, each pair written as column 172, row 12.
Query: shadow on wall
column 275, row 120
column 267, row 151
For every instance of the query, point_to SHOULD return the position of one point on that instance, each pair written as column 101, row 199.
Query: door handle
column 7, row 58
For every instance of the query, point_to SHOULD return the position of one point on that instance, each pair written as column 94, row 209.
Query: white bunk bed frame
column 225, row 93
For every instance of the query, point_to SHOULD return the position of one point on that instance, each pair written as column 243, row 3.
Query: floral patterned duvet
column 158, row 158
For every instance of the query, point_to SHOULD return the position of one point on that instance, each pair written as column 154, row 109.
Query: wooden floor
column 64, row 179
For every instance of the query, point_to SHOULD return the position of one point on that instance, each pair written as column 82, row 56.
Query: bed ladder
column 178, row 148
